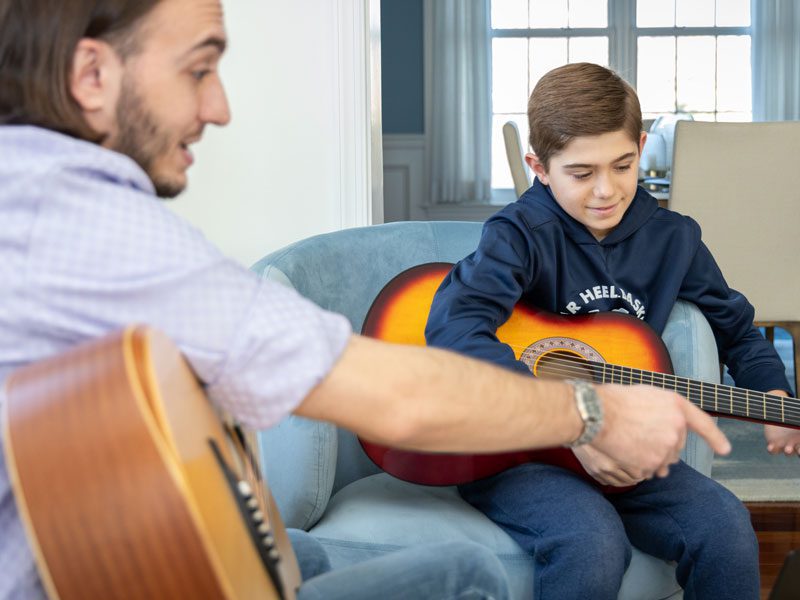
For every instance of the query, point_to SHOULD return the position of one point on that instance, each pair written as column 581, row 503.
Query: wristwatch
column 590, row 409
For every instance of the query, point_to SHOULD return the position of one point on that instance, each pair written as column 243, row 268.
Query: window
column 681, row 56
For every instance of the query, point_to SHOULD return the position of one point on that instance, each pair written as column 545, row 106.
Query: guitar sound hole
column 561, row 364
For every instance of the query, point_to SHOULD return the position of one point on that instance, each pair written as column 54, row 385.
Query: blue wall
column 402, row 66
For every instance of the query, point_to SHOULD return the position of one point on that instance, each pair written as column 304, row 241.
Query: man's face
column 594, row 179
column 171, row 89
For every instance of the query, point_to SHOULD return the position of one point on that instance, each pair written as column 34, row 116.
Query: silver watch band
column 590, row 409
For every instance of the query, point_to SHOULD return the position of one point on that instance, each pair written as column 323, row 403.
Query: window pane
column 546, row 54
column 652, row 116
column 548, row 13
column 655, row 13
column 694, row 13
column 501, row 173
column 588, row 13
column 509, row 74
column 589, row 49
column 696, row 69
column 704, row 116
column 655, row 74
column 733, row 13
column 509, row 14
column 733, row 73
column 735, row 117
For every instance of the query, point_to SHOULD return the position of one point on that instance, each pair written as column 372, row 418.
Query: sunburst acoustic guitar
column 600, row 347
column 130, row 486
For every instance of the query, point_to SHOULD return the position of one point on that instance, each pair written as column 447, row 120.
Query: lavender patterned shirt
column 86, row 248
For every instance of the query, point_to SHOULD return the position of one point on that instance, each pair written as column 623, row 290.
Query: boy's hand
column 604, row 469
column 782, row 439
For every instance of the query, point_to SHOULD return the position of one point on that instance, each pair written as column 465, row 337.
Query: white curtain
column 461, row 119
column 776, row 60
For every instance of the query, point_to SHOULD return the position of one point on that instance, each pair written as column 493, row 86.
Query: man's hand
column 645, row 429
column 782, row 439
column 603, row 469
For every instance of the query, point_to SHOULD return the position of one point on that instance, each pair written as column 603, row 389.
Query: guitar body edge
column 540, row 339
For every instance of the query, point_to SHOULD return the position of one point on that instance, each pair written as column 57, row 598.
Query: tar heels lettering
column 599, row 292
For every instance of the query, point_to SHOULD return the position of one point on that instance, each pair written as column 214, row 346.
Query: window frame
column 623, row 35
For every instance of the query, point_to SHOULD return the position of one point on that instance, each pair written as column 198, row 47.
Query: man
column 100, row 102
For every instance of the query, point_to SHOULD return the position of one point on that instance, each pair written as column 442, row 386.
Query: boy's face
column 594, row 178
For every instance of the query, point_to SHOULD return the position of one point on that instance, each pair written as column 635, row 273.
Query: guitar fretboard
column 711, row 397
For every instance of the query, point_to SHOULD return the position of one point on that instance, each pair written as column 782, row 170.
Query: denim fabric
column 582, row 540
column 443, row 571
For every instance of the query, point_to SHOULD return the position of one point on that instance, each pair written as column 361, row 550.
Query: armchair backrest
column 343, row 272
column 307, row 461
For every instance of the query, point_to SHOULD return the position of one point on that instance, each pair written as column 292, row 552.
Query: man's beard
column 141, row 138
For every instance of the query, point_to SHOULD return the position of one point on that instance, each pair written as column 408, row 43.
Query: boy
column 584, row 223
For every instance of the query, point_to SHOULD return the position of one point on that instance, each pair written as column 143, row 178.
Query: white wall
column 294, row 161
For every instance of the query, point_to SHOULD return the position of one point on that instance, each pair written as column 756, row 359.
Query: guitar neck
column 714, row 398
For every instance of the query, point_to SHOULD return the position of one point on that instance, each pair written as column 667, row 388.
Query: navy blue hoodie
column 533, row 250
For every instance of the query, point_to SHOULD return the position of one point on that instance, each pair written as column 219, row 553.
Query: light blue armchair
column 325, row 484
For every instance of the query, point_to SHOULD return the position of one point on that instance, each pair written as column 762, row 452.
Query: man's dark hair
column 37, row 45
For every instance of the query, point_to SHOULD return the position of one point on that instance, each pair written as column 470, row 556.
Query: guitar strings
column 585, row 365
column 775, row 408
column 748, row 402
column 747, row 405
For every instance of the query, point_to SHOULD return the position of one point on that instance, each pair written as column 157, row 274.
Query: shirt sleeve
column 479, row 295
column 103, row 257
column 752, row 361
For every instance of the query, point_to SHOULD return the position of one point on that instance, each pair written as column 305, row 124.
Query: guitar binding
column 260, row 534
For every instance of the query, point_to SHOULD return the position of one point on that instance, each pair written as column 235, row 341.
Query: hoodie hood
column 540, row 199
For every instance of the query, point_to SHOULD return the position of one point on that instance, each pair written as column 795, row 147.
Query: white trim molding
column 358, row 70
column 405, row 192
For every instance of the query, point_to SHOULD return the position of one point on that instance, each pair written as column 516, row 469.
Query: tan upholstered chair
column 741, row 182
column 515, row 155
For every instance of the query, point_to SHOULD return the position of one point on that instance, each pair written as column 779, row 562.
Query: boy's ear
column 642, row 140
column 94, row 83
column 537, row 167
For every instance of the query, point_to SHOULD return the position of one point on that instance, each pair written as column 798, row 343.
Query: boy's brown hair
column 37, row 43
column 580, row 99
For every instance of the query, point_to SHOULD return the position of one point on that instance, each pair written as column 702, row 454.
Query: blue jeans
column 450, row 570
column 581, row 539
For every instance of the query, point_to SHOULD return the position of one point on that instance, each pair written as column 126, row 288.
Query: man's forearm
column 435, row 400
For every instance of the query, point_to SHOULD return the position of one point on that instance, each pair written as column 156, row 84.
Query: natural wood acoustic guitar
column 130, row 486
column 606, row 347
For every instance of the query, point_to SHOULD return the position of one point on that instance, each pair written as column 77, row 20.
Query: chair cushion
column 379, row 514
